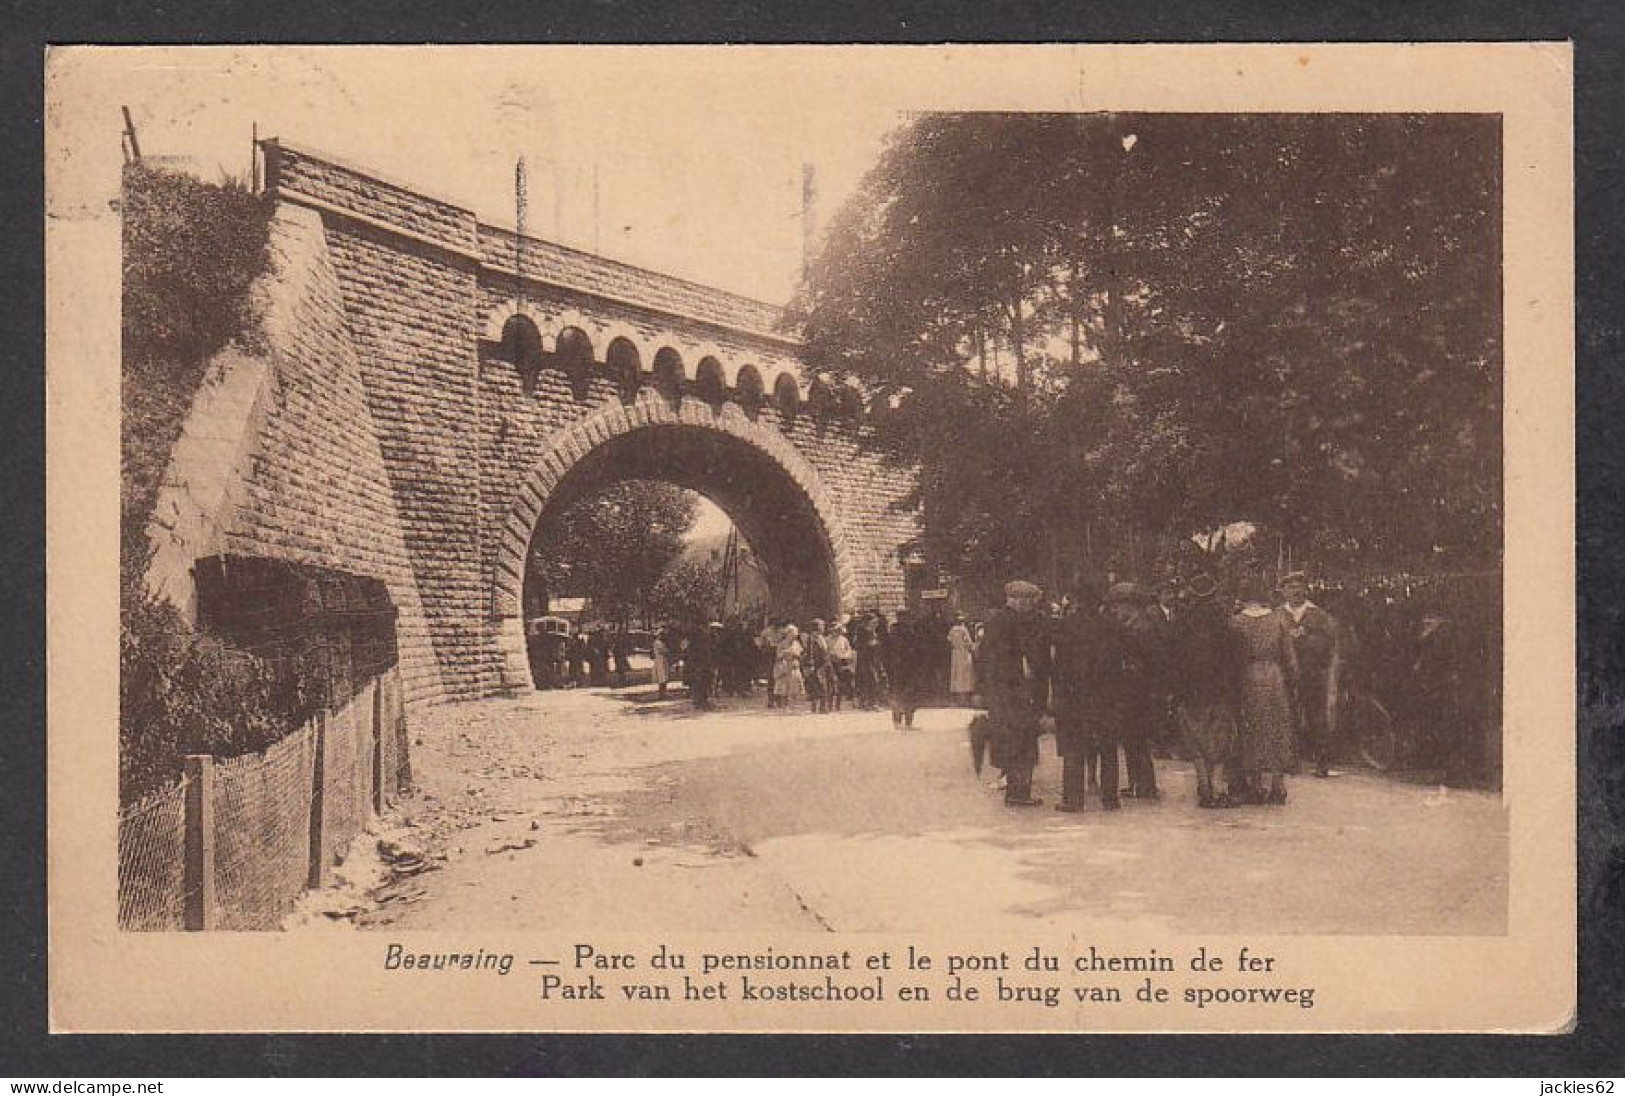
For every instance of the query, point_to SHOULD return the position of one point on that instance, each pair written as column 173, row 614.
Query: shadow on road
column 615, row 809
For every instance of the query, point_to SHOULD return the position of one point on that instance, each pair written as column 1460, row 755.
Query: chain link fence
column 234, row 843
column 262, row 831
column 151, row 861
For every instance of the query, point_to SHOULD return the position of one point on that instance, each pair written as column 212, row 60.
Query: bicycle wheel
column 1384, row 744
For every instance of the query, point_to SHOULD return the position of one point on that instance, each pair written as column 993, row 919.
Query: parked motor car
column 549, row 625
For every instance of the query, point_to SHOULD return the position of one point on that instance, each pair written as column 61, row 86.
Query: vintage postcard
column 960, row 539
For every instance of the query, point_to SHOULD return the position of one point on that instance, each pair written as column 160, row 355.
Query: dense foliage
column 191, row 252
column 186, row 692
column 1097, row 331
column 613, row 547
column 690, row 592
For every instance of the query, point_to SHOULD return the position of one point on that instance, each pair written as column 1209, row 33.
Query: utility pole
column 730, row 571
column 132, row 147
column 809, row 198
column 521, row 204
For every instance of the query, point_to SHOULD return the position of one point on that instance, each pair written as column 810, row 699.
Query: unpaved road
column 608, row 810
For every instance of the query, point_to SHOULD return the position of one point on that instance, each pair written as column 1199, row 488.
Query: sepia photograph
column 766, row 509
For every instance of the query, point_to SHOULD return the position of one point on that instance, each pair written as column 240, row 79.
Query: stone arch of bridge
column 753, row 472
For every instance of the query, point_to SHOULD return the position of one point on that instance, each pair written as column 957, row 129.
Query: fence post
column 317, row 875
column 198, row 872
column 401, row 777
column 378, row 745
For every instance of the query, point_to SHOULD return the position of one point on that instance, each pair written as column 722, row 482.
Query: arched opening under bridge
column 753, row 475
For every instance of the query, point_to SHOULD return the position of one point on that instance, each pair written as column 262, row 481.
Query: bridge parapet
column 545, row 268
column 333, row 187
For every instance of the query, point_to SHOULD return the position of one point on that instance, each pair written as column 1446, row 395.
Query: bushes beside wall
column 192, row 252
column 184, row 692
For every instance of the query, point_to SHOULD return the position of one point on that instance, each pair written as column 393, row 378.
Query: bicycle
column 1384, row 742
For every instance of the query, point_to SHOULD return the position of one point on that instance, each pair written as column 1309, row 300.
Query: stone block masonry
column 391, row 434
column 302, row 476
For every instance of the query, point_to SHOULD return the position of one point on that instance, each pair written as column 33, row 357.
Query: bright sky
column 710, row 521
column 697, row 153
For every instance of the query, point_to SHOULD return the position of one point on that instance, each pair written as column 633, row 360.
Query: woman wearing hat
column 787, row 682
column 816, row 671
column 660, row 652
column 1264, row 744
column 961, row 662
column 843, row 660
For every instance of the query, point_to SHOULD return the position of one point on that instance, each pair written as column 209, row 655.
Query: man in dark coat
column 905, row 667
column 887, row 636
column 581, row 658
column 866, row 642
column 934, row 653
column 620, row 655
column 734, row 658
column 1015, row 677
column 1165, row 617
column 1316, row 645
column 598, row 655
column 1207, row 687
column 1127, row 689
column 702, row 665
column 1077, row 652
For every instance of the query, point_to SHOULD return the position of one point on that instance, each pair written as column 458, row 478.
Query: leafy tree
column 1083, row 328
column 689, row 592
column 614, row 546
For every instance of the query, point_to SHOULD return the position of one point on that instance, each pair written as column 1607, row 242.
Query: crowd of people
column 865, row 661
column 1247, row 686
column 1249, row 683
column 594, row 656
column 1244, row 680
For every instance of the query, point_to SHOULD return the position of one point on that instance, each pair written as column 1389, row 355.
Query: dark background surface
column 1596, row 1046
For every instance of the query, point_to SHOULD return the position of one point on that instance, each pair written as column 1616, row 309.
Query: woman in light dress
column 661, row 673
column 788, row 686
column 961, row 662
column 767, row 646
column 844, row 658
column 1264, row 742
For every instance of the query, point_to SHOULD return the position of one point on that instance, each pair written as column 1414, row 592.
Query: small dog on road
column 980, row 732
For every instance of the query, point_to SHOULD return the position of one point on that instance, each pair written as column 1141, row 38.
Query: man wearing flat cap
column 1015, row 678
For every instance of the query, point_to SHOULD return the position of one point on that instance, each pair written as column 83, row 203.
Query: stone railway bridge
column 431, row 389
